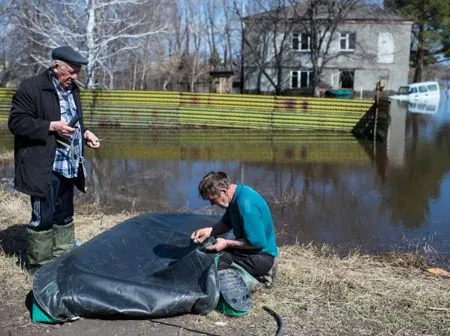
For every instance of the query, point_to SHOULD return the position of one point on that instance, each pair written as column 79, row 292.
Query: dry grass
column 359, row 294
column 316, row 293
column 13, row 206
column 287, row 198
column 90, row 224
column 6, row 157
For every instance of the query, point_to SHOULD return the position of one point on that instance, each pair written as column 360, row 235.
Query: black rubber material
column 74, row 120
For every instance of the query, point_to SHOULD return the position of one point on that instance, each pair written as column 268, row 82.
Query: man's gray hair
column 63, row 64
column 59, row 63
column 212, row 183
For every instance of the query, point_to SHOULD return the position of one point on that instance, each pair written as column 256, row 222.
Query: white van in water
column 427, row 106
column 417, row 91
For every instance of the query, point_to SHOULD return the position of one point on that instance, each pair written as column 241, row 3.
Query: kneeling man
column 248, row 215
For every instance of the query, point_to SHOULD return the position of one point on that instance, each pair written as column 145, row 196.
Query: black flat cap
column 69, row 55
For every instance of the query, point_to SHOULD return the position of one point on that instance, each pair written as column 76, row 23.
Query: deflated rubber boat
column 146, row 266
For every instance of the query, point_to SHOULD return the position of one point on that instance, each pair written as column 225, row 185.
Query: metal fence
column 149, row 109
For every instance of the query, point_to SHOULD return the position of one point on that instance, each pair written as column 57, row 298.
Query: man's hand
column 220, row 245
column 91, row 140
column 201, row 235
column 61, row 128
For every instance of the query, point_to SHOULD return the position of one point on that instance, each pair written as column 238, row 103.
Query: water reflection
column 325, row 188
column 417, row 191
column 160, row 170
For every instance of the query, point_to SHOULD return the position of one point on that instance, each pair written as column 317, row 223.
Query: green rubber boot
column 39, row 249
column 63, row 239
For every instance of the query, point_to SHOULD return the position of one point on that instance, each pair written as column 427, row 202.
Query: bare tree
column 230, row 29
column 5, row 66
column 132, row 44
column 100, row 29
column 266, row 43
column 223, row 28
column 159, row 57
column 212, row 32
column 15, row 61
column 194, row 57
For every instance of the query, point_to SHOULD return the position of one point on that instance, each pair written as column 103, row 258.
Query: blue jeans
column 57, row 208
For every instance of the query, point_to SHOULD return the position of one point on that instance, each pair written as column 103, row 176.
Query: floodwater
column 324, row 188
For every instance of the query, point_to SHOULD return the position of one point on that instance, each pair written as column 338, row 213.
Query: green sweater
column 249, row 216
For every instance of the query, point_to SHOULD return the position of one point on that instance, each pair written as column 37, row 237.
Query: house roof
column 358, row 13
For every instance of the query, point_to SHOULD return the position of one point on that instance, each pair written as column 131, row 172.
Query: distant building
column 221, row 81
column 366, row 46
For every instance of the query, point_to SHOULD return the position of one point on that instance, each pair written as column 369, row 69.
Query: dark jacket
column 34, row 105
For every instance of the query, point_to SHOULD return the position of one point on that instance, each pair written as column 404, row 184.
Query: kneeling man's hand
column 201, row 235
column 220, row 245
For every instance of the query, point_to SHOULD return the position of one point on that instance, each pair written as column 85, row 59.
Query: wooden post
column 378, row 88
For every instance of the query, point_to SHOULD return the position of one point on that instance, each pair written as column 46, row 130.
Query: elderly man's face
column 66, row 74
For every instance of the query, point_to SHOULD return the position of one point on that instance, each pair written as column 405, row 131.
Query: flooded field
column 322, row 187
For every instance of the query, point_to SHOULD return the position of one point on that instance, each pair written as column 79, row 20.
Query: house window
column 346, row 79
column 301, row 79
column 347, row 41
column 301, row 41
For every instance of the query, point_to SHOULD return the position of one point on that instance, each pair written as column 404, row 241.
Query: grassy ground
column 316, row 293
column 6, row 157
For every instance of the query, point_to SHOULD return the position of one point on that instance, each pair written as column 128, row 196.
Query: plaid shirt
column 68, row 158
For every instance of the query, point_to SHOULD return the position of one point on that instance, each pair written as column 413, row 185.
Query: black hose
column 277, row 318
column 267, row 309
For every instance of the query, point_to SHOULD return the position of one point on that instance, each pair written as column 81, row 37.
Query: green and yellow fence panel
column 318, row 113
column 5, row 103
column 150, row 109
column 130, row 109
column 224, row 110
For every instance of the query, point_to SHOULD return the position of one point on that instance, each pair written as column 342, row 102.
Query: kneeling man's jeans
column 257, row 264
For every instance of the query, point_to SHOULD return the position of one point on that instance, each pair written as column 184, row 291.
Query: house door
column 346, row 79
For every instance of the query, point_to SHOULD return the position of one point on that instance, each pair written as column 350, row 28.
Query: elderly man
column 48, row 153
column 248, row 215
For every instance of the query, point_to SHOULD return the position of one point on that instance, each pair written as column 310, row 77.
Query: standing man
column 248, row 215
column 48, row 153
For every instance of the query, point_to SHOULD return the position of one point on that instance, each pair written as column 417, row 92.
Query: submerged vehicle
column 416, row 91
column 424, row 106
